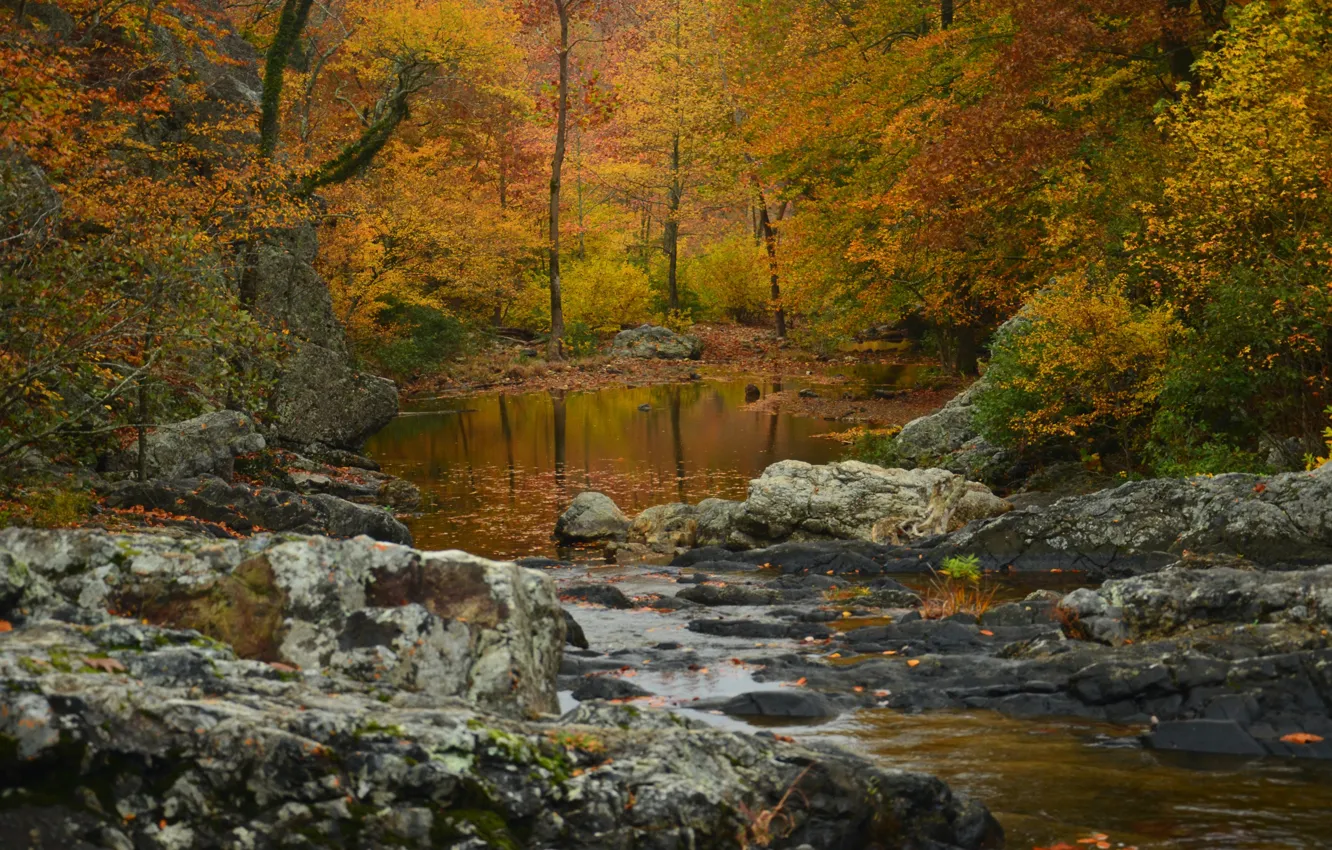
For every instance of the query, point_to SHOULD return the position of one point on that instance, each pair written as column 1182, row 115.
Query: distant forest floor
column 839, row 382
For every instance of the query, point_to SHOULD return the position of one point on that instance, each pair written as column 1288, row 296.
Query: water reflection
column 499, row 468
column 1057, row 781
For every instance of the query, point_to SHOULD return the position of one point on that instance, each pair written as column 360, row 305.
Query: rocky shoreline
column 372, row 695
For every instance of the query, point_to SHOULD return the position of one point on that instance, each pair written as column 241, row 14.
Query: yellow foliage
column 1083, row 357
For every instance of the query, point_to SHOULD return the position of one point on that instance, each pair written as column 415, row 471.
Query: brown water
column 1060, row 781
column 498, row 469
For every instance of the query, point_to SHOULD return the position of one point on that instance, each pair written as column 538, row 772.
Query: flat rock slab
column 794, row 703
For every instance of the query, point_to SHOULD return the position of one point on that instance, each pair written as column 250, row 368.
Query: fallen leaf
column 6, row 626
column 800, row 683
column 858, row 688
column 914, row 662
column 1301, row 738
column 106, row 665
column 987, row 632
column 835, row 655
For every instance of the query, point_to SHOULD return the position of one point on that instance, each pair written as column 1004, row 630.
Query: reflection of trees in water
column 557, row 400
column 499, row 476
column 507, row 432
column 677, row 444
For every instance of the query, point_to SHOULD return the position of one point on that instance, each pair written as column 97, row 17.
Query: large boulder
column 320, row 398
column 854, row 500
column 1144, row 525
column 591, row 517
column 443, row 624
column 650, row 341
column 244, row 509
column 127, row 735
column 948, row 439
column 204, row 445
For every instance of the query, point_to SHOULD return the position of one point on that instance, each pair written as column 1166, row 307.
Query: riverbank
column 839, row 386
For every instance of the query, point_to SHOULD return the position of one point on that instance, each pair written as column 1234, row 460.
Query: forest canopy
column 1135, row 191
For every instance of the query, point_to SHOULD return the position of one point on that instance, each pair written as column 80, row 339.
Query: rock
column 666, row 526
column 1225, row 737
column 793, row 703
column 319, row 397
column 606, row 595
column 855, row 500
column 608, row 687
column 807, row 393
column 204, row 445
column 752, row 393
column 717, row 519
column 948, row 439
column 573, row 633
column 650, row 341
column 245, row 509
column 259, row 755
column 1183, row 597
column 732, row 594
column 442, row 624
column 1143, row 525
column 358, row 485
column 591, row 516
column 644, row 407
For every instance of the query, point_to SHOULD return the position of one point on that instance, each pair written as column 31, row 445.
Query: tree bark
column 671, row 236
column 555, row 349
column 290, row 23
column 770, row 245
column 945, row 14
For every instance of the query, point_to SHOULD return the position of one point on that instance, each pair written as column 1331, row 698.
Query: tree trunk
column 555, row 349
column 671, row 237
column 770, row 244
column 966, row 352
column 945, row 14
column 290, row 23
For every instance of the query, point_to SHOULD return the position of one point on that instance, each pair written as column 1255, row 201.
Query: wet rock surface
column 118, row 733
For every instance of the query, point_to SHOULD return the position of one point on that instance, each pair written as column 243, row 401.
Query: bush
column 417, row 338
column 1079, row 364
column 580, row 340
column 730, row 280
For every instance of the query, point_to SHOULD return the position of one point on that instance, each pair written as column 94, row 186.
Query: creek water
column 497, row 469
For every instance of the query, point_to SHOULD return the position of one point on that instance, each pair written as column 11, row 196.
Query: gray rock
column 591, row 516
column 606, row 595
column 204, row 445
column 320, row 398
column 854, row 500
column 245, row 509
column 650, row 341
column 1144, row 525
column 666, row 527
column 1225, row 737
column 259, row 756
column 791, row 702
column 443, row 624
column 948, row 439
column 717, row 521
column 608, row 687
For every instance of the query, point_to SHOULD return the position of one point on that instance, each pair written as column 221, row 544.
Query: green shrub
column 419, row 339
column 580, row 340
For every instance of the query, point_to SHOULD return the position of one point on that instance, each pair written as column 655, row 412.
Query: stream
column 496, row 470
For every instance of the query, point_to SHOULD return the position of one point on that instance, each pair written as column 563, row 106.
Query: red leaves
column 1301, row 738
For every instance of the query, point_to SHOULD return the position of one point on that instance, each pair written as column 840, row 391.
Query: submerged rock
column 245, row 509
column 590, row 517
column 650, row 341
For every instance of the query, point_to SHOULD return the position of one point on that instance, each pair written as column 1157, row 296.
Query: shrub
column 730, row 280
column 1080, row 363
column 417, row 338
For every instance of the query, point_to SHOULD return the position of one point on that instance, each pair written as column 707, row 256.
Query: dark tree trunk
column 671, row 237
column 555, row 349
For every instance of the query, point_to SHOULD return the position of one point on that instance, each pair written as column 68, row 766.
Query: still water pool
column 498, row 469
